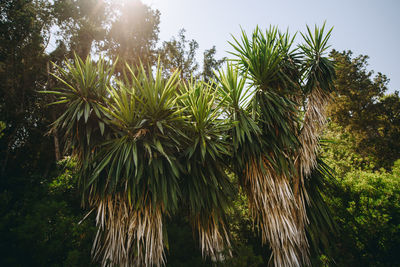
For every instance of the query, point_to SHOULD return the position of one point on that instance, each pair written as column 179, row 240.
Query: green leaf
column 101, row 126
column 159, row 125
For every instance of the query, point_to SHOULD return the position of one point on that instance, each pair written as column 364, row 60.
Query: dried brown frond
column 306, row 161
column 314, row 120
column 127, row 236
column 213, row 236
column 140, row 133
column 273, row 206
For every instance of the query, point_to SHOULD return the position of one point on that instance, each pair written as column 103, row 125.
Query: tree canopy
column 363, row 110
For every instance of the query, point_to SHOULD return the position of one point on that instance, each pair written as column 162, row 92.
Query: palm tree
column 149, row 145
column 145, row 144
column 276, row 137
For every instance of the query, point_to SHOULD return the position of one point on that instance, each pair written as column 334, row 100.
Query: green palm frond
column 146, row 119
column 238, row 97
column 260, row 55
column 233, row 88
column 82, row 89
column 206, row 188
column 269, row 59
column 322, row 227
column 318, row 70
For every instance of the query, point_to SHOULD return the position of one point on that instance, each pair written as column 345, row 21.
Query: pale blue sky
column 364, row 26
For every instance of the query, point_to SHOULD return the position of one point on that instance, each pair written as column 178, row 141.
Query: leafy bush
column 366, row 207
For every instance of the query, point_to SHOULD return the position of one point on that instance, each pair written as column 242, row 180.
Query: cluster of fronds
column 148, row 145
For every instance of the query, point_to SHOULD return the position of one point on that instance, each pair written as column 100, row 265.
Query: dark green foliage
column 365, row 207
column 364, row 133
column 246, row 241
column 22, row 72
column 39, row 221
column 183, row 250
column 322, row 228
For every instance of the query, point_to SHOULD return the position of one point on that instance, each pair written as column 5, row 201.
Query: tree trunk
column 53, row 115
column 56, row 144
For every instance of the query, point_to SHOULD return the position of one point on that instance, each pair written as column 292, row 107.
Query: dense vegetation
column 40, row 210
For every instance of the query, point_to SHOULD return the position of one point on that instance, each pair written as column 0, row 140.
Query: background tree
column 32, row 211
column 133, row 34
column 38, row 220
column 364, row 205
column 22, row 73
column 179, row 54
column 363, row 128
column 210, row 64
column 363, row 110
column 119, row 29
column 81, row 24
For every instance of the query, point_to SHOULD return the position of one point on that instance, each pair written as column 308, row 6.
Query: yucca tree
column 276, row 135
column 144, row 145
column 135, row 174
column 129, row 169
column 206, row 188
column 148, row 145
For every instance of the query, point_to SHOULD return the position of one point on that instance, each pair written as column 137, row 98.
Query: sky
column 365, row 27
